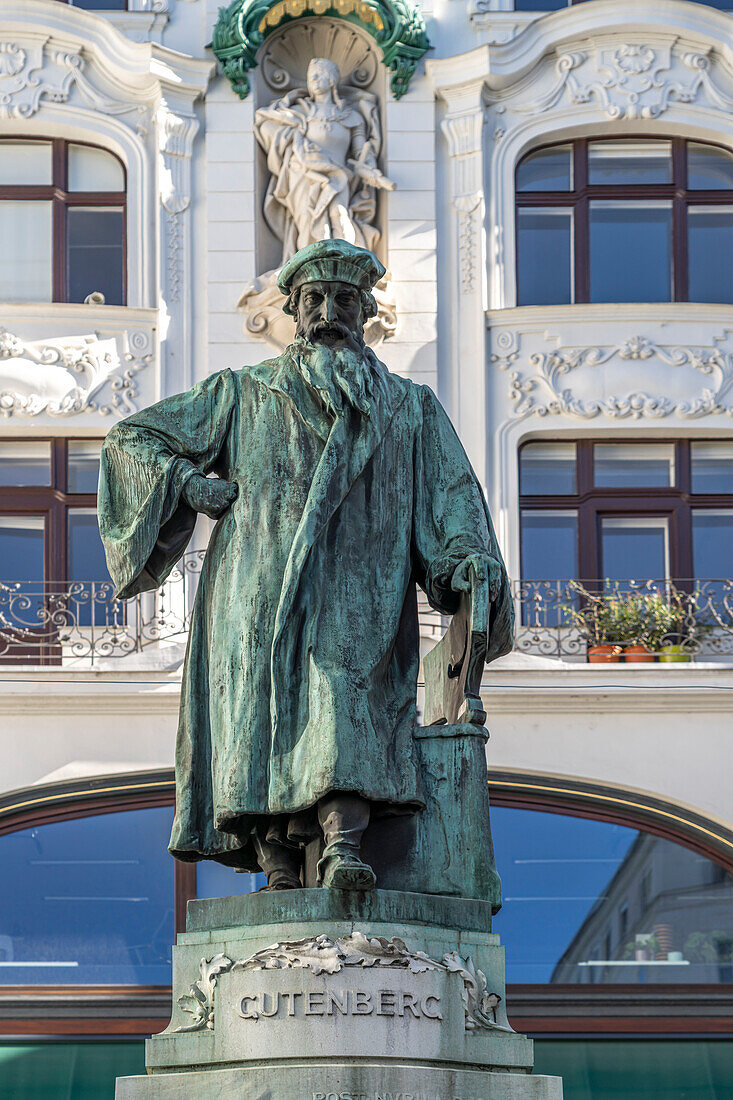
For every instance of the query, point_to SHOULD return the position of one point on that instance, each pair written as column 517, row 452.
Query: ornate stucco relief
column 560, row 381
column 71, row 375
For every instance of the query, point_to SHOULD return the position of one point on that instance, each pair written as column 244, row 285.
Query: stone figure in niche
column 338, row 486
column 322, row 145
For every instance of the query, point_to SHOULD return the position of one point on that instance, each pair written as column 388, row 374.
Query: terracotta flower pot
column 604, row 654
column 637, row 655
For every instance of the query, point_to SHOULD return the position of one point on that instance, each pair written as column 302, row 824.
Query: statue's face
column 321, row 76
column 329, row 313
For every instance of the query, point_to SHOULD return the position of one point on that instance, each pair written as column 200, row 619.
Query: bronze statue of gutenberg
column 337, row 486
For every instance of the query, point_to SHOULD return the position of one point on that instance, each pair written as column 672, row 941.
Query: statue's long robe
column 302, row 662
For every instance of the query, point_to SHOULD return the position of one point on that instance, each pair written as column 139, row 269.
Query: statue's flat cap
column 333, row 261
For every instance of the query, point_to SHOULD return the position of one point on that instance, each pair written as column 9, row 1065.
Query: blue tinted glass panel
column 620, row 163
column 549, row 545
column 547, row 468
column 712, row 539
column 214, row 880
column 633, row 465
column 712, row 466
column 101, row 5
column 710, row 249
column 708, row 168
column 586, row 902
column 544, row 253
column 92, row 590
column 21, row 548
column 547, row 170
column 630, row 251
column 634, row 548
column 95, row 253
column 538, row 5
column 91, row 903
column 25, row 462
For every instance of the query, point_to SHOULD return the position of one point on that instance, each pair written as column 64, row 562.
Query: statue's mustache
column 331, row 328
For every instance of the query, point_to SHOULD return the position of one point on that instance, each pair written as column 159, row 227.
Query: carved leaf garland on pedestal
column 323, row 955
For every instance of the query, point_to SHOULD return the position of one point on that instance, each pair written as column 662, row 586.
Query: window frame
column 579, row 197
column 592, row 503
column 62, row 200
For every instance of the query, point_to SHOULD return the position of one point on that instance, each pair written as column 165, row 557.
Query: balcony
column 80, row 625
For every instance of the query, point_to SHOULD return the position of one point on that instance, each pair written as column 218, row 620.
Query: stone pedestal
column 333, row 995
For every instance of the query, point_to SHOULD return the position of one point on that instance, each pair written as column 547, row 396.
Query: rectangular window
column 712, row 466
column 710, row 249
column 26, row 164
column 547, row 469
column 26, row 269
column 630, row 251
column 25, row 462
column 633, row 465
column 624, row 163
column 544, row 244
column 22, row 543
column 88, row 568
column 95, row 253
column 634, row 547
column 712, row 538
column 549, row 545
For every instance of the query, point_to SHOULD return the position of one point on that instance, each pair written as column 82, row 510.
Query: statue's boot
column 280, row 862
column 343, row 818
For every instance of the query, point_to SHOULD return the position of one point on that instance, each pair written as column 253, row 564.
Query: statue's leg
column 343, row 818
column 279, row 860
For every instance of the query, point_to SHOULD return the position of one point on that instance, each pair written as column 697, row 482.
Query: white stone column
column 459, row 84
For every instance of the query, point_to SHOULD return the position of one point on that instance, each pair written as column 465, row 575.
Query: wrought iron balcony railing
column 80, row 624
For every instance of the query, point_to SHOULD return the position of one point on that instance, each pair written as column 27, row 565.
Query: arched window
column 625, row 220
column 62, row 222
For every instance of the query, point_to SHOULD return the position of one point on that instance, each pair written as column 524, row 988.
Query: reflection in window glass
column 549, row 545
column 633, row 465
column 547, row 170
column 94, row 169
column 83, row 465
column 21, row 548
column 95, row 252
column 633, row 547
column 630, row 251
column 93, row 590
column 708, row 168
column 712, row 538
column 547, row 468
column 712, row 466
column 25, row 163
column 568, row 880
column 214, row 880
column 91, row 903
column 620, row 163
column 25, row 462
column 710, row 248
column 25, row 257
column 544, row 244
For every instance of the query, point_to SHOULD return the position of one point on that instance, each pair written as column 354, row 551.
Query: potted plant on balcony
column 621, row 624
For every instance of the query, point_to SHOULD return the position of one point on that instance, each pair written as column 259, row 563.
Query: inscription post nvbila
column 367, row 966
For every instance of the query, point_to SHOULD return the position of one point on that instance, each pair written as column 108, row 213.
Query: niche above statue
column 319, row 177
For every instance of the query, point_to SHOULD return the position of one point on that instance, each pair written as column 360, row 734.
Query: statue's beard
column 340, row 372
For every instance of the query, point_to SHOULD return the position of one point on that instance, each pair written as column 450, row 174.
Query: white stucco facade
column 497, row 84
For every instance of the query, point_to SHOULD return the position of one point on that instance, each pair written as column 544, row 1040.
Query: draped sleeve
column 452, row 522
column 146, row 461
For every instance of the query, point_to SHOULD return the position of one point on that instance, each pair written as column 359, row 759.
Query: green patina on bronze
column 396, row 25
column 300, row 679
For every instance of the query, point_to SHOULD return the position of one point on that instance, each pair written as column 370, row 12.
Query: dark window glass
column 710, row 244
column 633, row 465
column 708, row 168
column 634, row 547
column 539, row 5
column 214, row 880
column 712, row 466
column 622, row 163
column 92, row 901
column 22, row 541
column 547, row 468
column 547, row 170
column 567, row 881
column 83, row 465
column 549, row 545
column 544, row 243
column 93, row 591
column 95, row 254
column 712, row 539
column 630, row 251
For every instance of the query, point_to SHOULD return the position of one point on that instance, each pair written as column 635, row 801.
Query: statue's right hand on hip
column 210, row 495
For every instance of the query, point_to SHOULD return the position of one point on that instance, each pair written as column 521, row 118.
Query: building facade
column 551, row 192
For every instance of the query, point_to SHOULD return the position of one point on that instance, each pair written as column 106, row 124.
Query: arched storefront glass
column 587, row 902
